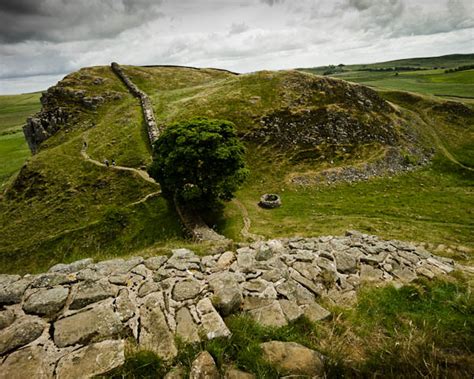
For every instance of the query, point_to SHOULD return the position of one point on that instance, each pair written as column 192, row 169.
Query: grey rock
column 246, row 262
column 314, row 312
column 154, row 263
column 120, row 280
column 293, row 358
column 72, row 267
column 148, row 287
column 155, row 334
column 13, row 293
column 233, row 373
column 186, row 328
column 7, row 317
column 117, row 266
column 369, row 273
column 290, row 309
column 46, row 301
column 225, row 260
column 345, row 262
column 204, row 367
column 29, row 362
column 124, row 306
column 92, row 292
column 176, row 373
column 264, row 253
column 212, row 324
column 93, row 325
column 317, row 289
column 92, row 360
column 187, row 289
column 307, row 270
column 6, row 279
column 270, row 315
column 405, row 275
column 53, row 279
column 20, row 333
column 227, row 293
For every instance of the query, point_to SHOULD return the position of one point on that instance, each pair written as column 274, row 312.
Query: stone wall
column 73, row 320
column 147, row 107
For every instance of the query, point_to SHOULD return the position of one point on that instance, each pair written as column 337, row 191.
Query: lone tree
column 199, row 162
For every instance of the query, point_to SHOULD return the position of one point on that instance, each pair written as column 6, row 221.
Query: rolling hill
column 314, row 140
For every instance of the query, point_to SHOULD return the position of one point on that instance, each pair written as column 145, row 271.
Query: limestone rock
column 227, row 293
column 345, row 262
column 225, row 260
column 52, row 279
column 13, row 292
column 370, row 274
column 314, row 312
column 290, row 309
column 270, row 315
column 125, row 308
column 93, row 325
column 7, row 279
column 233, row 373
column 293, row 358
column 92, row 360
column 187, row 289
column 212, row 324
column 72, row 267
column 204, row 367
column 186, row 328
column 27, row 363
column 46, row 301
column 155, row 334
column 154, row 263
column 91, row 292
column 7, row 317
column 176, row 373
column 20, row 333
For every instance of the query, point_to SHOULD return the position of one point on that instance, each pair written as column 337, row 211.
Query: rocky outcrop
column 75, row 317
column 147, row 106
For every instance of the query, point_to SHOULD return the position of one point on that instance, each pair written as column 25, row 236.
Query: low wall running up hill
column 73, row 321
column 147, row 107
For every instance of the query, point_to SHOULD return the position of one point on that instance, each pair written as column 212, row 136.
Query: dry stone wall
column 147, row 107
column 73, row 320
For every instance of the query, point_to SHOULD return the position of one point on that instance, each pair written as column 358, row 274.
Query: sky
column 43, row 40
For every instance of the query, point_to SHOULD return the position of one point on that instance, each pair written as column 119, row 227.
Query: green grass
column 420, row 330
column 14, row 110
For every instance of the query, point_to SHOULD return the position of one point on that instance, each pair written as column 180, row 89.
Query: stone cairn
column 73, row 320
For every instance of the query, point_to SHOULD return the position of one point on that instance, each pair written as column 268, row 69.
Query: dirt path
column 143, row 174
column 247, row 223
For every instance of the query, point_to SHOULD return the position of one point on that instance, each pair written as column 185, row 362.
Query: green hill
column 314, row 140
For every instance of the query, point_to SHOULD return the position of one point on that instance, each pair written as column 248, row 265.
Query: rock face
column 293, row 359
column 76, row 316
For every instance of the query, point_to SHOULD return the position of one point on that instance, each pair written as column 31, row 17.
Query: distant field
column 427, row 76
column 14, row 111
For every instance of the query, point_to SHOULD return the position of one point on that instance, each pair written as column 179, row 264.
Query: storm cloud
column 54, row 37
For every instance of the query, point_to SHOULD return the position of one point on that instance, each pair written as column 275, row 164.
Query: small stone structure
column 73, row 320
column 269, row 201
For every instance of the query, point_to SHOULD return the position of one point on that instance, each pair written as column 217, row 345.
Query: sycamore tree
column 199, row 163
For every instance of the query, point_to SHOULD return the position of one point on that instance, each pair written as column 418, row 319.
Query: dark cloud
column 272, row 2
column 70, row 20
column 238, row 28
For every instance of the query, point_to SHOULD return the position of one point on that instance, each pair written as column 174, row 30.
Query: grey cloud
column 272, row 2
column 68, row 20
column 238, row 28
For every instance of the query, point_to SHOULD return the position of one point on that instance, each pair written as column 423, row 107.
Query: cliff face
column 62, row 103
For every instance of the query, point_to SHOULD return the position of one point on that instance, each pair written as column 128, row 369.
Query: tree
column 199, row 162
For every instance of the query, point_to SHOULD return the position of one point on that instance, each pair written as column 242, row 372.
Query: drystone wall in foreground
column 73, row 320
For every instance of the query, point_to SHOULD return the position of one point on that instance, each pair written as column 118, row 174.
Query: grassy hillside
column 13, row 148
column 294, row 124
column 423, row 75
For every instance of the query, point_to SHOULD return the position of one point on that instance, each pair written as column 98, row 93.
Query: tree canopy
column 199, row 162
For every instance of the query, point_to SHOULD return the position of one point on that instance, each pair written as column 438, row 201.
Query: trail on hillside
column 143, row 174
column 247, row 222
